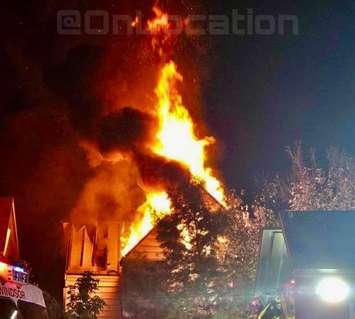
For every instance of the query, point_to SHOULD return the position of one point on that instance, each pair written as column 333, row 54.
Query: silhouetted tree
column 311, row 186
column 141, row 291
column 196, row 278
column 83, row 303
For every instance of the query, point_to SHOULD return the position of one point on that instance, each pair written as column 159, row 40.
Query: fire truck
column 18, row 298
column 307, row 267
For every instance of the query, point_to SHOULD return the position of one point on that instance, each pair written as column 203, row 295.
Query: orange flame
column 160, row 22
column 135, row 22
column 176, row 138
column 156, row 206
column 160, row 27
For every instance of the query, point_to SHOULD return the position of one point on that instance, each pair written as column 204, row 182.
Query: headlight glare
column 332, row 290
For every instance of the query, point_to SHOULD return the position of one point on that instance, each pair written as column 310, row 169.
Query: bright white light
column 332, row 290
column 14, row 315
column 19, row 269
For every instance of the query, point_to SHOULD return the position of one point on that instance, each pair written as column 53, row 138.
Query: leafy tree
column 315, row 187
column 141, row 291
column 210, row 261
column 196, row 279
column 240, row 253
column 311, row 186
column 83, row 303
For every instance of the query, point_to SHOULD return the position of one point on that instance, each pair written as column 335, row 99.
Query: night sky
column 259, row 94
column 270, row 91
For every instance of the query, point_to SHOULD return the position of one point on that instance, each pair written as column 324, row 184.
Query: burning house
column 138, row 156
column 96, row 249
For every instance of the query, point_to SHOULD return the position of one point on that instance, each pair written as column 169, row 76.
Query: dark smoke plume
column 125, row 130
column 55, row 88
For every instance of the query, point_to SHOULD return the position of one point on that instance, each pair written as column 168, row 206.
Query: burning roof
column 158, row 147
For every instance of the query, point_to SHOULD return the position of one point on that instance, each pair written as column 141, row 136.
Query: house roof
column 149, row 246
column 8, row 220
column 6, row 207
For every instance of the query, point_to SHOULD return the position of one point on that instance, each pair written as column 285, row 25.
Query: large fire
column 175, row 140
column 169, row 133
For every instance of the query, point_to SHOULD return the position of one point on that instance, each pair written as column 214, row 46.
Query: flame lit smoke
column 162, row 147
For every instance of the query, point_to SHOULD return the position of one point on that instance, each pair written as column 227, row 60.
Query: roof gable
column 148, row 248
column 9, row 246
